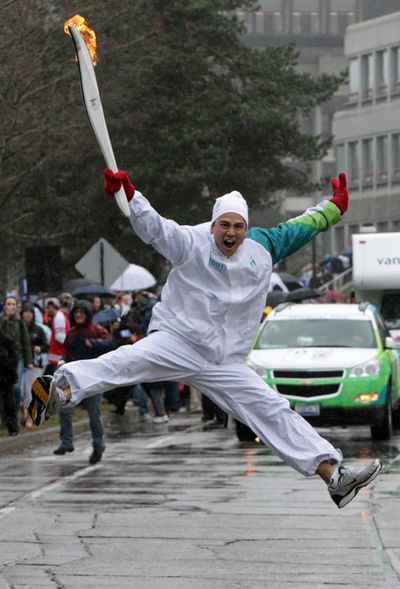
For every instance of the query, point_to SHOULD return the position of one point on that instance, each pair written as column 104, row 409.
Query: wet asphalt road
column 181, row 507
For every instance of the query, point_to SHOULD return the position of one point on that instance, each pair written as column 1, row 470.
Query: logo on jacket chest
column 220, row 266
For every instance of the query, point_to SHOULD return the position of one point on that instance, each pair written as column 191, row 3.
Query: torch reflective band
column 80, row 32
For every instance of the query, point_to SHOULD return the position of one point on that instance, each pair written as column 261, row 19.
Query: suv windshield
column 317, row 333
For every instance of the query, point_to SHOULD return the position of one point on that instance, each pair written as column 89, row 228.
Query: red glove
column 340, row 193
column 113, row 181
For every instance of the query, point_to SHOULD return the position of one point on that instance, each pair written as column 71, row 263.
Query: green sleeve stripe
column 290, row 236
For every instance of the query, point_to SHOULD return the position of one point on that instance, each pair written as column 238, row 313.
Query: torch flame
column 89, row 36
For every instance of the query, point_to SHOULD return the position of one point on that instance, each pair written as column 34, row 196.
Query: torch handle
column 94, row 109
column 119, row 196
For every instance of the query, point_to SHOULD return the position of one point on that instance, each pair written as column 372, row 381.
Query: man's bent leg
column 238, row 390
column 158, row 357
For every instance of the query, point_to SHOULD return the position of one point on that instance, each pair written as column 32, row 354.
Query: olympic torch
column 84, row 40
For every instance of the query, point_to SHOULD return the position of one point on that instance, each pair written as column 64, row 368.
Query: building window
column 382, row 160
column 367, row 164
column 334, row 23
column 339, row 156
column 241, row 16
column 306, row 17
column 314, row 22
column 354, row 80
column 339, row 239
column 352, row 230
column 339, row 21
column 259, row 22
column 382, row 227
column 296, row 22
column 326, row 125
column 382, row 73
column 396, row 157
column 396, row 225
column 396, row 70
column 274, row 22
column 367, row 76
column 350, row 18
column 354, row 164
column 278, row 22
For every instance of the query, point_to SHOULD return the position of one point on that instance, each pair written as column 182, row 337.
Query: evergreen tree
column 192, row 113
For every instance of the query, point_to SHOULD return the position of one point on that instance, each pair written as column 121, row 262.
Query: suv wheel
column 244, row 433
column 384, row 430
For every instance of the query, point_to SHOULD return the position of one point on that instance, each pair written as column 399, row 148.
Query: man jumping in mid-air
column 202, row 329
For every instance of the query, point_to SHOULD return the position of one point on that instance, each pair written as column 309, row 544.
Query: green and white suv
column 335, row 363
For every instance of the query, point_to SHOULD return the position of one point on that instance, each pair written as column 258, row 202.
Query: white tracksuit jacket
column 212, row 301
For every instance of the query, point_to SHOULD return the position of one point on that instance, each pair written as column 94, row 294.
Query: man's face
column 229, row 231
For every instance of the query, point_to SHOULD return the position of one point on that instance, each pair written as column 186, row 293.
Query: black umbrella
column 291, row 281
column 75, row 282
column 301, row 294
column 107, row 315
column 93, row 289
column 275, row 297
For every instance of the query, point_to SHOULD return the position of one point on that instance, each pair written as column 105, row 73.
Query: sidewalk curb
column 113, row 424
column 38, row 436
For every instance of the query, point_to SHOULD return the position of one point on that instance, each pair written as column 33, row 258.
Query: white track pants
column 235, row 387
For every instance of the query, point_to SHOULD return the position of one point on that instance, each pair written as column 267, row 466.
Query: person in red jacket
column 59, row 310
column 85, row 340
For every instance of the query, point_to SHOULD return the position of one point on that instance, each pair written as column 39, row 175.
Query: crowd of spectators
column 327, row 269
column 36, row 336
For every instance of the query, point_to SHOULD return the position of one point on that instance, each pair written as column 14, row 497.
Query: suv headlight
column 260, row 370
column 370, row 368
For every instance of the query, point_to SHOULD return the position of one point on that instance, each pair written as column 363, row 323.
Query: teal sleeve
column 290, row 236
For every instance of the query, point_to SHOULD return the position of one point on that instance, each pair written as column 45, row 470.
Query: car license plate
column 307, row 409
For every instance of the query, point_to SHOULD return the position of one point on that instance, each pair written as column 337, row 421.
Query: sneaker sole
column 40, row 399
column 347, row 498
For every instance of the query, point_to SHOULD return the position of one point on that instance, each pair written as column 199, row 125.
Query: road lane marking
column 157, row 443
column 34, row 495
column 167, row 439
column 6, row 510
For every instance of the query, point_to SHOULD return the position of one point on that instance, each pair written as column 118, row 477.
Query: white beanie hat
column 231, row 203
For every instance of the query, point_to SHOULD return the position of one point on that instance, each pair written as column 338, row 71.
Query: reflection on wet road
column 195, row 508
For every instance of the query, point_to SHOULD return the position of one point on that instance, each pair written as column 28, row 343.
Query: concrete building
column 367, row 130
column 318, row 28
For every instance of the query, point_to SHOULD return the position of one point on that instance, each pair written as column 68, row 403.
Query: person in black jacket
column 8, row 377
column 85, row 340
column 39, row 347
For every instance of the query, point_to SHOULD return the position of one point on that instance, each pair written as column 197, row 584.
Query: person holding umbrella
column 202, row 329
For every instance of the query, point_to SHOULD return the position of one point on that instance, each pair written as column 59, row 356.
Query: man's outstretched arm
column 167, row 237
column 290, row 236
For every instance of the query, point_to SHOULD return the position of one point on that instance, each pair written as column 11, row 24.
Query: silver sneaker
column 347, row 481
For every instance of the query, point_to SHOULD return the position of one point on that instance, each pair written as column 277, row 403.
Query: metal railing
column 340, row 282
